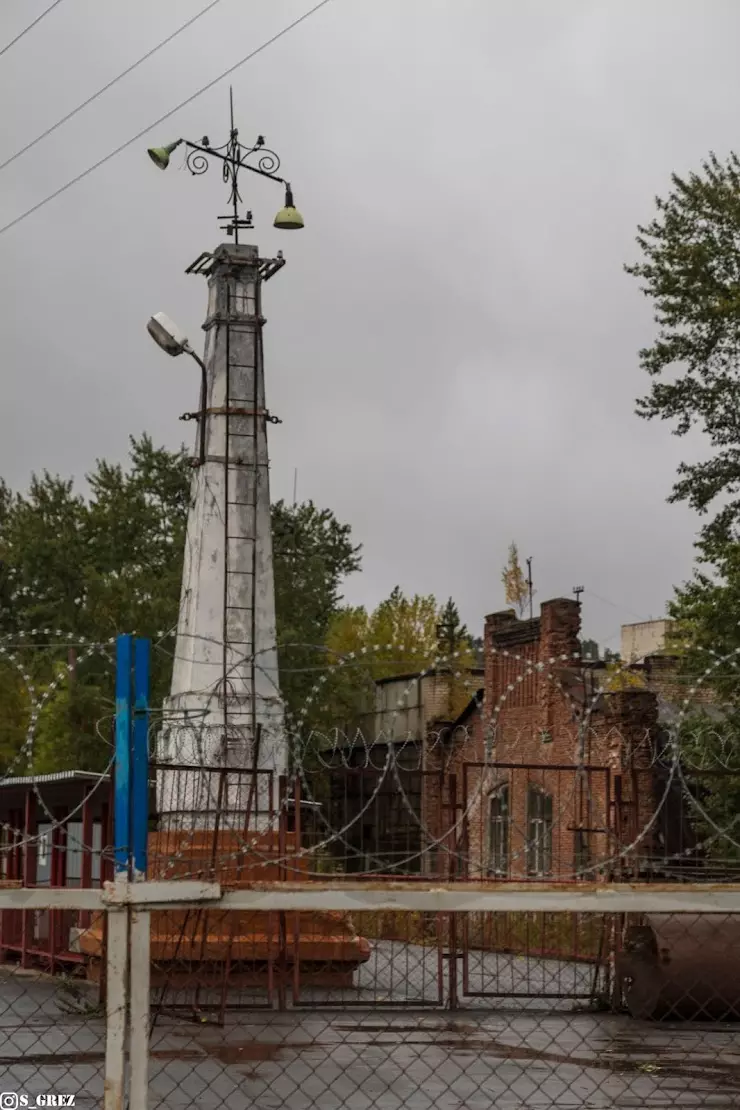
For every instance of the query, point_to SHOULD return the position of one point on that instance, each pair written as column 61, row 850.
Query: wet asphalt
column 388, row 1043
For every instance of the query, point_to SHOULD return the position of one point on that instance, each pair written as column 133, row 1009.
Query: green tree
column 14, row 715
column 95, row 566
column 398, row 637
column 452, row 634
column 690, row 270
column 44, row 552
column 313, row 554
column 74, row 729
column 455, row 645
column 402, row 635
column 619, row 678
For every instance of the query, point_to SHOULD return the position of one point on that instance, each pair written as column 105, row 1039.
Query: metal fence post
column 140, row 919
column 117, row 954
column 140, row 760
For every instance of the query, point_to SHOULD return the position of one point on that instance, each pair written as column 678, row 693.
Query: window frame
column 539, row 831
column 499, row 828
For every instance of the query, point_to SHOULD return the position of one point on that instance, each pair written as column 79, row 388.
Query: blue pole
column 122, row 806
column 140, row 761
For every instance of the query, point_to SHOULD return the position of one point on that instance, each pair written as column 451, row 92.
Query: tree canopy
column 313, row 554
column 401, row 636
column 91, row 565
column 94, row 565
column 690, row 270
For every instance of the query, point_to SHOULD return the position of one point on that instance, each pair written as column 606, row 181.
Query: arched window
column 498, row 860
column 539, row 832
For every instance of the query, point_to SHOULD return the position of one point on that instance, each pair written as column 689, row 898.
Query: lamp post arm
column 232, row 161
column 203, row 400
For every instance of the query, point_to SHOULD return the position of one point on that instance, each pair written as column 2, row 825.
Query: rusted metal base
column 682, row 967
column 212, row 946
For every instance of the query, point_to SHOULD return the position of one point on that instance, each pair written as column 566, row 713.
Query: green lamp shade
column 160, row 155
column 288, row 218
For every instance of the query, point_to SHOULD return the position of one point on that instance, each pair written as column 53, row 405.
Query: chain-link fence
column 419, row 911
column 450, row 1002
column 644, row 1021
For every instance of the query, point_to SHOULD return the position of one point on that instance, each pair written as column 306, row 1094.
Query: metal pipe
column 203, row 402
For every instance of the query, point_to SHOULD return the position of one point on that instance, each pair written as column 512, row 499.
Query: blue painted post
column 122, row 804
column 140, row 760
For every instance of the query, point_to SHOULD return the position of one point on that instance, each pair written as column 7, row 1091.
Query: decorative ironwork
column 234, row 157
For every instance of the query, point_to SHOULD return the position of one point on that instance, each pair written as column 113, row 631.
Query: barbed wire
column 682, row 749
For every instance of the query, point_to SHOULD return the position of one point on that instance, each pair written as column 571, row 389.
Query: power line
column 614, row 605
column 30, row 27
column 125, row 73
column 135, row 138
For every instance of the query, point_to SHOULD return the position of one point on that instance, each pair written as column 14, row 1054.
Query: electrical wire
column 614, row 605
column 135, row 138
column 30, row 27
column 125, row 73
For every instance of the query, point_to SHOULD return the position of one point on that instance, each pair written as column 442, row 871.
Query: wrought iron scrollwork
column 233, row 157
column 197, row 162
column 268, row 161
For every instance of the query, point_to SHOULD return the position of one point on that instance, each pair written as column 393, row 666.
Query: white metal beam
column 375, row 895
column 46, row 898
column 514, row 897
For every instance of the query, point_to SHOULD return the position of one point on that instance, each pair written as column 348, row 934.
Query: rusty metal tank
column 677, row 967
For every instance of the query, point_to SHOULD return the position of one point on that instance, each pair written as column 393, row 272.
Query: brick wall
column 540, row 717
column 663, row 675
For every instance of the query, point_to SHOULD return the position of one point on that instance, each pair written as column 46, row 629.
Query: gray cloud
column 453, row 345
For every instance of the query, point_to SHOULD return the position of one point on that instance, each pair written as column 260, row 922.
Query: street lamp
column 234, row 158
column 168, row 336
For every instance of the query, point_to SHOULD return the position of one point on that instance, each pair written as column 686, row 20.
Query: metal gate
column 536, row 822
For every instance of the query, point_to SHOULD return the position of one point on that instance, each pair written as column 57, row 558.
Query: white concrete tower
column 225, row 707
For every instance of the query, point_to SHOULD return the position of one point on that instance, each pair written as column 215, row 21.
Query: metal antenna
column 529, row 586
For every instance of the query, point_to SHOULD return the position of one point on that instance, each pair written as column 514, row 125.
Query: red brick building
column 553, row 773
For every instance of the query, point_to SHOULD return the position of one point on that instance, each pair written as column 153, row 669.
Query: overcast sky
column 452, row 347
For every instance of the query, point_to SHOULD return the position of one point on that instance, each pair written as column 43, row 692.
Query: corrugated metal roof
column 56, row 776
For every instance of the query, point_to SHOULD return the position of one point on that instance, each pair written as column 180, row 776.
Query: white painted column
column 225, row 681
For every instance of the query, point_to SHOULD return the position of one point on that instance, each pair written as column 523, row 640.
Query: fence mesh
column 383, row 1008
column 517, row 1010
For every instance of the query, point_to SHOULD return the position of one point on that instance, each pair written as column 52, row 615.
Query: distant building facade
column 556, row 768
column 643, row 639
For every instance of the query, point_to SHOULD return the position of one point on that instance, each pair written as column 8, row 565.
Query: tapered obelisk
column 225, row 708
column 224, row 716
